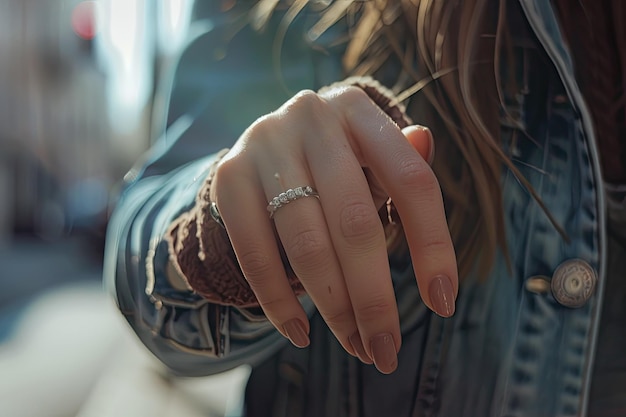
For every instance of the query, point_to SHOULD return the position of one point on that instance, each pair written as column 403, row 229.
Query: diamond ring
column 288, row 196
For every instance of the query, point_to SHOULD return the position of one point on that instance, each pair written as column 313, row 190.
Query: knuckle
column 308, row 249
column 305, row 112
column 271, row 305
column 262, row 129
column 354, row 101
column 374, row 309
column 436, row 245
column 227, row 170
column 414, row 172
column 231, row 168
column 305, row 101
column 353, row 94
column 339, row 319
column 359, row 222
column 256, row 267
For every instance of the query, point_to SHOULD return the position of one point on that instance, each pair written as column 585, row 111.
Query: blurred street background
column 80, row 85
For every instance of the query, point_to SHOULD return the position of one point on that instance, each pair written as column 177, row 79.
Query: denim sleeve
column 221, row 84
column 187, row 333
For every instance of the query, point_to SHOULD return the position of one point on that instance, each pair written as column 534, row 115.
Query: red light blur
column 84, row 19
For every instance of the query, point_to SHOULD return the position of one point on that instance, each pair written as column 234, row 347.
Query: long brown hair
column 448, row 55
column 452, row 44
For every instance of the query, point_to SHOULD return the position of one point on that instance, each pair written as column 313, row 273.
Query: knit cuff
column 200, row 249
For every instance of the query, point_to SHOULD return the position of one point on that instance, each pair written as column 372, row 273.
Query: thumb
column 422, row 141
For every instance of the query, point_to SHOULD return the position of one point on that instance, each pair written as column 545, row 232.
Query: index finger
column 414, row 189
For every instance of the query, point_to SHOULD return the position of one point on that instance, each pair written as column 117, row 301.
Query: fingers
column 358, row 240
column 441, row 289
column 414, row 189
column 421, row 139
column 254, row 243
column 356, row 157
column 243, row 182
column 303, row 232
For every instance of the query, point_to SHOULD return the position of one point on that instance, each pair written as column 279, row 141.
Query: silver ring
column 288, row 196
column 215, row 214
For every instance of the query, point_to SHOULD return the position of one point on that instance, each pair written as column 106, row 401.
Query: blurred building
column 77, row 106
column 76, row 97
column 83, row 92
column 52, row 132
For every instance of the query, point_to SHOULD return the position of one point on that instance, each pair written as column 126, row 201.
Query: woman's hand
column 344, row 146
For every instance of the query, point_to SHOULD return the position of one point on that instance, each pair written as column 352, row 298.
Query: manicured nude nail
column 296, row 332
column 357, row 345
column 384, row 352
column 418, row 143
column 431, row 141
column 441, row 295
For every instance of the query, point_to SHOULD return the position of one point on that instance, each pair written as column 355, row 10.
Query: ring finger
column 302, row 229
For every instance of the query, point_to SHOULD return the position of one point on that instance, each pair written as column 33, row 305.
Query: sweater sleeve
column 187, row 332
column 222, row 82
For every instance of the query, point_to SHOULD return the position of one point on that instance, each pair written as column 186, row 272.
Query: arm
column 161, row 238
column 186, row 332
column 212, row 102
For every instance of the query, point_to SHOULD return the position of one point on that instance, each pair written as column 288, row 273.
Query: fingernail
column 418, row 144
column 357, row 345
column 296, row 332
column 442, row 295
column 431, row 142
column 384, row 352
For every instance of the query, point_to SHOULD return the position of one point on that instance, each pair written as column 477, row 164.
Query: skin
column 356, row 157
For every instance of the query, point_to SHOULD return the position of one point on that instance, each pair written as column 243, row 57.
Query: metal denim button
column 573, row 283
column 538, row 284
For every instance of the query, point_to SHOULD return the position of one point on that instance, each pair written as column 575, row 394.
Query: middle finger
column 303, row 232
column 358, row 240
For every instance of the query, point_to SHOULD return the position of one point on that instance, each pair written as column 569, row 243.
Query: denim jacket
column 515, row 347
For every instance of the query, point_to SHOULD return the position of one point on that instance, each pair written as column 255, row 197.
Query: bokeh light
column 84, row 19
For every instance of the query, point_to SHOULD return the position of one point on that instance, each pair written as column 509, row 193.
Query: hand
column 355, row 156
